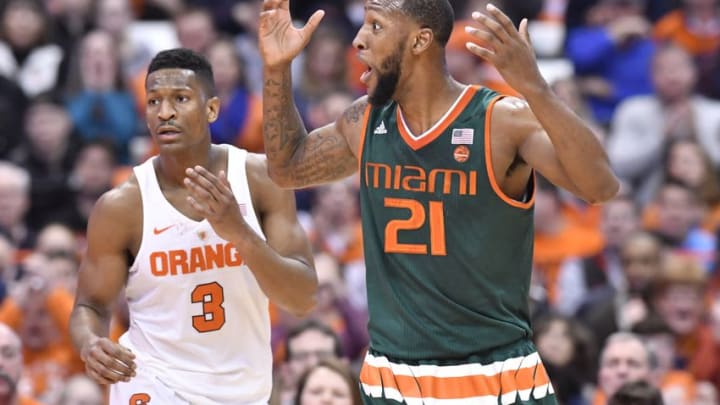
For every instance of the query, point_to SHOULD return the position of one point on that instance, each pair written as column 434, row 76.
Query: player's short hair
column 183, row 58
column 438, row 15
column 312, row 324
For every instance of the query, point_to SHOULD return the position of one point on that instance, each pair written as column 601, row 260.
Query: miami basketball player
column 446, row 174
column 199, row 238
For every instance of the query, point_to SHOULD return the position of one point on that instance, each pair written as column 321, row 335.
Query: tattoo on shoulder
column 355, row 112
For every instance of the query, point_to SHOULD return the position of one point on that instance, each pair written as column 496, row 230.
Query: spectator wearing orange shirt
column 695, row 26
column 11, row 368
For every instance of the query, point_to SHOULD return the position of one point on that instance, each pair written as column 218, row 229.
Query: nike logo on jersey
column 380, row 130
column 158, row 231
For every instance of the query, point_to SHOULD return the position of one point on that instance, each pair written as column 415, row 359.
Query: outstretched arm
column 547, row 134
column 101, row 278
column 295, row 158
column 281, row 264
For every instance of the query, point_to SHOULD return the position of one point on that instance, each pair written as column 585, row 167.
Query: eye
column 182, row 99
column 375, row 26
column 153, row 101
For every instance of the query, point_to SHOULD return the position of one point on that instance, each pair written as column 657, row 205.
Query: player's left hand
column 508, row 49
column 213, row 198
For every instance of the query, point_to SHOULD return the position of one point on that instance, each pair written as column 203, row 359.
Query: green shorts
column 513, row 374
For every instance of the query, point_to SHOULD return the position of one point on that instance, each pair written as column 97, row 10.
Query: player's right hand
column 107, row 362
column 279, row 40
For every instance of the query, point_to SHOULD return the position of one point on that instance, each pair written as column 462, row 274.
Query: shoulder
column 513, row 115
column 354, row 116
column 122, row 202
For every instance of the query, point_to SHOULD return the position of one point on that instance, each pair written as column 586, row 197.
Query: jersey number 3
column 211, row 296
column 417, row 220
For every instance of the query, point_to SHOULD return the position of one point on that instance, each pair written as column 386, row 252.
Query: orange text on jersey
column 200, row 258
column 416, row 179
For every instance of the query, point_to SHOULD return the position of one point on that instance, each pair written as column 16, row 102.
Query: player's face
column 178, row 110
column 381, row 47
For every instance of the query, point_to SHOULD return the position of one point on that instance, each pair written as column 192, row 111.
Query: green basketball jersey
column 448, row 255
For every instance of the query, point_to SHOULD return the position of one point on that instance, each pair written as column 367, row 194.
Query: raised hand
column 279, row 40
column 508, row 49
column 107, row 362
column 213, row 198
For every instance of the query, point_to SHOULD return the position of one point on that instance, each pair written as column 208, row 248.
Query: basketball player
column 446, row 173
column 199, row 238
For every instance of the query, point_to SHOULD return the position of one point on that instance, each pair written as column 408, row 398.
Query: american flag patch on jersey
column 463, row 136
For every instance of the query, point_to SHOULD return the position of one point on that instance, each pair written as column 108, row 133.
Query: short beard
column 388, row 77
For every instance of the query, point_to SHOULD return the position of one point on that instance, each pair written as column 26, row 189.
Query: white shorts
column 144, row 389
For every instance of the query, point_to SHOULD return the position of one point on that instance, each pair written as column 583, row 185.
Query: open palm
column 279, row 40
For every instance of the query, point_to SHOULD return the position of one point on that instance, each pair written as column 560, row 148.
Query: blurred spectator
column 677, row 296
column 14, row 203
column 72, row 20
column 643, row 126
column 582, row 281
column 624, row 359
column 330, row 382
column 706, row 394
column 115, row 17
column 92, row 176
column 568, row 353
column 577, row 9
column 100, row 107
column 40, row 316
column 48, row 153
column 11, row 368
column 26, row 55
column 695, row 26
column 688, row 163
column 306, row 344
column 612, row 54
column 679, row 214
column 640, row 257
column 12, row 110
column 334, row 223
column 324, row 68
column 240, row 120
column 637, row 393
column 328, row 108
column 195, row 29
column 9, row 270
column 80, row 390
column 557, row 238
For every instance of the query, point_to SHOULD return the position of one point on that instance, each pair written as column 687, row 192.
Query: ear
column 212, row 109
column 422, row 40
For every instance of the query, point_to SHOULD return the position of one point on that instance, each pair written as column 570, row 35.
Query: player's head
column 397, row 33
column 181, row 96
column 11, row 361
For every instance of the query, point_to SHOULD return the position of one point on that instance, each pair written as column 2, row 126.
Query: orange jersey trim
column 461, row 387
column 366, row 119
column 417, row 142
column 489, row 166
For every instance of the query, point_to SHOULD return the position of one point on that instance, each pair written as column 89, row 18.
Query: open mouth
column 365, row 77
column 168, row 132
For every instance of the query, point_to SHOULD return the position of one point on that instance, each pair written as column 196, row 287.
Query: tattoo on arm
column 283, row 130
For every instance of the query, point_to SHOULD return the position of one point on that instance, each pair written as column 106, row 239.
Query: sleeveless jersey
column 448, row 255
column 197, row 315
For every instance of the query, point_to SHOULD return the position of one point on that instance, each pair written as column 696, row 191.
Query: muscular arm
column 282, row 265
column 297, row 159
column 557, row 143
column 103, row 271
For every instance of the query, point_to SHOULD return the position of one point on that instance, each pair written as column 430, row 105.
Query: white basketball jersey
column 197, row 315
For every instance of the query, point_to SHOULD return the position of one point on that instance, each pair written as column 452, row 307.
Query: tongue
column 366, row 76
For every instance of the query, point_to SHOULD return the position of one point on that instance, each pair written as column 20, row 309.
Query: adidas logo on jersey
column 380, row 129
